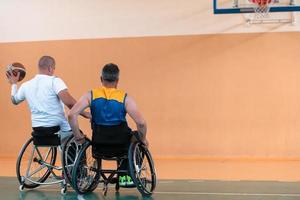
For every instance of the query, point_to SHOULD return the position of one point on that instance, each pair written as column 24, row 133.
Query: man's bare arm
column 78, row 108
column 69, row 101
column 67, row 98
column 13, row 79
column 14, row 90
column 137, row 117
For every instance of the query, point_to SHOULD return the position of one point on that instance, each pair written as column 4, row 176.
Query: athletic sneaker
column 125, row 181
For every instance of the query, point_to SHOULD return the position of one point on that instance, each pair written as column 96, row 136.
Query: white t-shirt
column 41, row 94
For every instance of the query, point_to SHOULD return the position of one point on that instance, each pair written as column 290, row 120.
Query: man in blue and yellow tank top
column 109, row 107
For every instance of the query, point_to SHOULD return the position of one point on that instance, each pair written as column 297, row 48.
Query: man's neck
column 45, row 73
column 107, row 85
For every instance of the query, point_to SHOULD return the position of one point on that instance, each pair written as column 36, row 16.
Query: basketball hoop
column 261, row 8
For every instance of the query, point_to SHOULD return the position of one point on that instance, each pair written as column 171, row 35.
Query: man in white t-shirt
column 46, row 96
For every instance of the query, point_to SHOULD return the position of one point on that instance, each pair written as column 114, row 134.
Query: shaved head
column 46, row 62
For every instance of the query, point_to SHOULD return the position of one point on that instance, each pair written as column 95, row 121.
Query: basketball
column 261, row 2
column 15, row 68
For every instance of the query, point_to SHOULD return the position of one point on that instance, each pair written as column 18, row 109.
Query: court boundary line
column 206, row 193
column 230, row 194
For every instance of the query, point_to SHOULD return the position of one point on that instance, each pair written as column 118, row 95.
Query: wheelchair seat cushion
column 46, row 136
column 110, row 141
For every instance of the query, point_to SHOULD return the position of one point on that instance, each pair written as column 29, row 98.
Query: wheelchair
column 37, row 161
column 110, row 143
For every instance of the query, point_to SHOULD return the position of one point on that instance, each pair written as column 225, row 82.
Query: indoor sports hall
column 217, row 81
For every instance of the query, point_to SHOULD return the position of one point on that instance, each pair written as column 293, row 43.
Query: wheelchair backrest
column 110, row 141
column 46, row 136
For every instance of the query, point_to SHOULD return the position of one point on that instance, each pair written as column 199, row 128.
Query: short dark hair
column 110, row 72
column 46, row 61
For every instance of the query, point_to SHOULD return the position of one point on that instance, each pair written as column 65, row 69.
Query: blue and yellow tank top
column 108, row 106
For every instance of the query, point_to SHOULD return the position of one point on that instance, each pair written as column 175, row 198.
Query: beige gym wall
column 35, row 20
column 234, row 95
column 211, row 88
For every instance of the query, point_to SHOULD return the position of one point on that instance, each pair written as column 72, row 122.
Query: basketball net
column 261, row 9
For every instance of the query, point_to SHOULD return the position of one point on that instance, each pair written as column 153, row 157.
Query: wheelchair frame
column 41, row 159
column 111, row 176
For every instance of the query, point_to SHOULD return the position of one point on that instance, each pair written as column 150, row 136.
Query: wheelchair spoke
column 46, row 156
column 39, row 153
column 71, row 154
column 149, row 181
column 30, row 161
column 37, row 170
column 48, row 153
column 71, row 157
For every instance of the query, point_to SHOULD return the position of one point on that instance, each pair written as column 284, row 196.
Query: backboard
column 245, row 6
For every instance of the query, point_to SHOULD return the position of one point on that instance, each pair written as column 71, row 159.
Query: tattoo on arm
column 142, row 128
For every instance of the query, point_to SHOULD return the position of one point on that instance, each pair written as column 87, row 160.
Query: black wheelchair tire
column 67, row 175
column 131, row 157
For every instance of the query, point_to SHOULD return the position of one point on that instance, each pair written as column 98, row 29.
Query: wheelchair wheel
column 85, row 175
column 32, row 164
column 141, row 168
column 69, row 156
